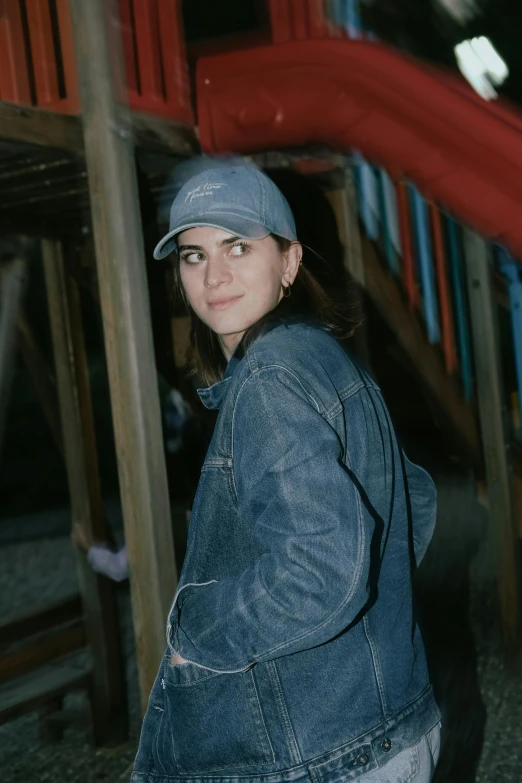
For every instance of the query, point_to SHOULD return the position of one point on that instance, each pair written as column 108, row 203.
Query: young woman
column 293, row 652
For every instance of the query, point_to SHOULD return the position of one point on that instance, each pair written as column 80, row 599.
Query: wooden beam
column 157, row 134
column 27, row 125
column 12, row 285
column 26, row 625
column 39, row 688
column 41, row 378
column 344, row 204
column 427, row 361
column 98, row 593
column 503, row 531
column 118, row 240
column 50, row 646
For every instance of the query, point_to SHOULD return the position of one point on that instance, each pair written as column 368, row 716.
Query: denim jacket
column 294, row 609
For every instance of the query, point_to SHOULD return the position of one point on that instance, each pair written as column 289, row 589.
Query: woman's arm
column 301, row 504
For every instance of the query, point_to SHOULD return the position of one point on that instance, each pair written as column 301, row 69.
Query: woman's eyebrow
column 190, row 247
column 229, row 241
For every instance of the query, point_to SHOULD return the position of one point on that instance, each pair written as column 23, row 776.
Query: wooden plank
column 149, row 56
column 27, row 693
column 174, row 61
column 161, row 135
column 425, row 358
column 41, row 378
column 344, row 204
column 98, row 593
column 280, row 20
column 503, row 533
column 14, row 77
column 70, row 103
column 57, row 226
column 29, row 125
column 22, row 627
column 43, row 52
column 128, row 335
column 12, row 285
column 51, row 646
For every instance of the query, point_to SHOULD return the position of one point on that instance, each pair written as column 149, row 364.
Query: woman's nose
column 216, row 273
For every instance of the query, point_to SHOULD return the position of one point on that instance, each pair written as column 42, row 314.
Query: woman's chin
column 229, row 324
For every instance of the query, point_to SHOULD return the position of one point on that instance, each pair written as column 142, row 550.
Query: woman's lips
column 222, row 304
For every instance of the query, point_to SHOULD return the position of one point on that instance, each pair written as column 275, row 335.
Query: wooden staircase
column 461, row 421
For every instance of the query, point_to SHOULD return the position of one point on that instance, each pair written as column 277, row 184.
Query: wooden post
column 98, row 593
column 504, row 543
column 42, row 380
column 125, row 308
column 12, row 280
column 344, row 204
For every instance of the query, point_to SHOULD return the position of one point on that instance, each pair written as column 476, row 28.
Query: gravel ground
column 36, row 572
column 33, row 574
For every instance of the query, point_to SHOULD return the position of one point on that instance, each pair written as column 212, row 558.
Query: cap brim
column 240, row 226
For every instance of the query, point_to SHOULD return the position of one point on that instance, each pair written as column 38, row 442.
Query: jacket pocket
column 214, row 720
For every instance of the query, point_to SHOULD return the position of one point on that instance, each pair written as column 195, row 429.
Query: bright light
column 496, row 67
column 480, row 63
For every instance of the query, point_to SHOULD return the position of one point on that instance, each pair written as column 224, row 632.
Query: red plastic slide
column 462, row 152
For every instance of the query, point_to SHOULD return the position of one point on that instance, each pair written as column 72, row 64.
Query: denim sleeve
column 311, row 580
column 423, row 500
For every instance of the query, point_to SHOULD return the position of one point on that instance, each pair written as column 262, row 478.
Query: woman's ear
column 293, row 262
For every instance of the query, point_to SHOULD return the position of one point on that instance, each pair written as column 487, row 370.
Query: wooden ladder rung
column 29, row 692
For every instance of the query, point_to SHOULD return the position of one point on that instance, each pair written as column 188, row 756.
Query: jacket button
column 362, row 759
column 386, row 745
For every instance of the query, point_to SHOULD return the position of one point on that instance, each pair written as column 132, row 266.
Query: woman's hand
column 177, row 660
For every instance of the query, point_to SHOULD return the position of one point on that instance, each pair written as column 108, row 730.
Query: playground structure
column 429, row 227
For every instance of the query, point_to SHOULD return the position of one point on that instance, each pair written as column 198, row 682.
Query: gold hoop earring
column 287, row 292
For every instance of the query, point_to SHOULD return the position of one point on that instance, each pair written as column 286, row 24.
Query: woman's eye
column 193, row 258
column 240, row 249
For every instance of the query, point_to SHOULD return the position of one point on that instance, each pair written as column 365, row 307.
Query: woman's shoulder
column 310, row 353
column 293, row 341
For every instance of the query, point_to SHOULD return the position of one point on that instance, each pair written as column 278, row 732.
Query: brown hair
column 309, row 300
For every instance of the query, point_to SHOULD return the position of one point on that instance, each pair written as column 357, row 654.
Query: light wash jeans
column 416, row 764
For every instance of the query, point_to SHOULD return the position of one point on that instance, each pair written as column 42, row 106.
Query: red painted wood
column 149, row 52
column 281, row 20
column 71, row 103
column 43, row 53
column 299, row 15
column 299, row 20
column 14, row 78
column 446, row 312
column 317, row 24
column 172, row 41
column 359, row 94
column 409, row 276
column 127, row 35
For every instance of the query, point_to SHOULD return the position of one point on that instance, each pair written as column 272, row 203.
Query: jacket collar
column 213, row 396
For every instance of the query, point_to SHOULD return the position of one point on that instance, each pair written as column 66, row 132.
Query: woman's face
column 230, row 282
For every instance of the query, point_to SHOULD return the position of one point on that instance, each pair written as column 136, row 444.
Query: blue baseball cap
column 187, row 169
column 238, row 199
